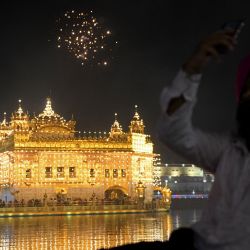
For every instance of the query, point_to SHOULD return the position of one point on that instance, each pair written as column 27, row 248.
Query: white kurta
column 225, row 222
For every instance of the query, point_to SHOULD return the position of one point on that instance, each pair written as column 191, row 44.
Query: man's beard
column 243, row 120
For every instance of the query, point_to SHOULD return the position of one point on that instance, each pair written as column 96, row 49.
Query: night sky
column 155, row 37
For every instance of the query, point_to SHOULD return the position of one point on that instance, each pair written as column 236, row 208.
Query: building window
column 60, row 172
column 115, row 173
column 92, row 173
column 48, row 172
column 72, row 172
column 107, row 173
column 28, row 173
column 123, row 173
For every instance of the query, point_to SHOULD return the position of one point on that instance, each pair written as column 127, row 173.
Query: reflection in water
column 90, row 232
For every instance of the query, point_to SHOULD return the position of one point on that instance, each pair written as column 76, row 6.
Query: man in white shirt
column 225, row 222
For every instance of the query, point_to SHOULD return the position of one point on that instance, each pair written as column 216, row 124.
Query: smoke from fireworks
column 82, row 35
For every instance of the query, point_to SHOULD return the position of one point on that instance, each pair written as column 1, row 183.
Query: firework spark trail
column 82, row 35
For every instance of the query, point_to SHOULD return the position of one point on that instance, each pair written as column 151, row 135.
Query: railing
column 189, row 196
column 87, row 206
column 55, row 203
column 68, row 208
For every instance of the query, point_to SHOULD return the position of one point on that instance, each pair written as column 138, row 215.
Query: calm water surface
column 90, row 232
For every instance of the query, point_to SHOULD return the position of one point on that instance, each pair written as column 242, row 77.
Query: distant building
column 44, row 157
column 185, row 178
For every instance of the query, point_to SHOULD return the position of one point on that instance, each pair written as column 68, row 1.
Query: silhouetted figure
column 225, row 222
column 186, row 243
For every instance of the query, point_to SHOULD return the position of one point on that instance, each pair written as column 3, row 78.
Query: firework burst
column 87, row 40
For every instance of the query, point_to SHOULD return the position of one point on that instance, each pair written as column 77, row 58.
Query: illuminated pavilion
column 43, row 156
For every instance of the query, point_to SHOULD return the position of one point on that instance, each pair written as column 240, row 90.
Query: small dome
column 136, row 124
column 116, row 128
column 48, row 111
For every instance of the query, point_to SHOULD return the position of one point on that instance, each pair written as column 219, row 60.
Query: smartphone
column 235, row 26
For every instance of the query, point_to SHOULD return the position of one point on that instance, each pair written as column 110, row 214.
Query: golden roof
column 50, row 125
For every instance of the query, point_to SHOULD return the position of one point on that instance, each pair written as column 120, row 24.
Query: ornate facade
column 44, row 156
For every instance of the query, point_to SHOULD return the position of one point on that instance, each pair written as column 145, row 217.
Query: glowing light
column 84, row 38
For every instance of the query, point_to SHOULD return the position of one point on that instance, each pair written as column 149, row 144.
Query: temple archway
column 115, row 193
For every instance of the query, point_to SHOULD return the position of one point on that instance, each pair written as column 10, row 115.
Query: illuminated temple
column 43, row 156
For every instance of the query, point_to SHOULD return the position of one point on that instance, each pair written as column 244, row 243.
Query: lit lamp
column 166, row 183
column 140, row 191
column 166, row 195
